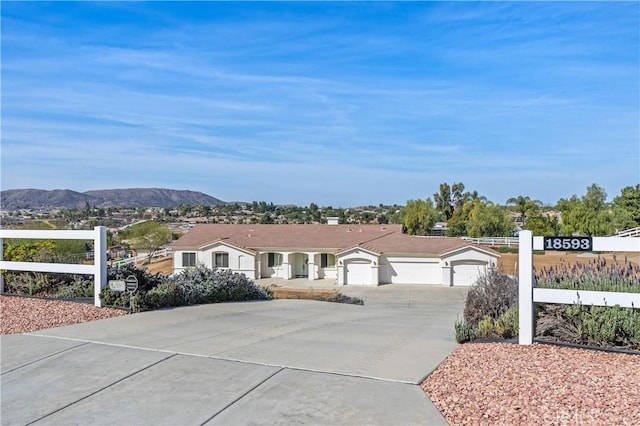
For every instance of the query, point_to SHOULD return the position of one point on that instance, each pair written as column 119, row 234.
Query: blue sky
column 340, row 104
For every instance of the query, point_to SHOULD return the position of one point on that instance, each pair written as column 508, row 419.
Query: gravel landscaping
column 24, row 314
column 478, row 384
column 509, row 384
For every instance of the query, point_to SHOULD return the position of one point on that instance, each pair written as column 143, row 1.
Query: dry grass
column 508, row 262
column 163, row 265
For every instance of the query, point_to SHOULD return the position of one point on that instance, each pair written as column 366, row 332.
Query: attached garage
column 466, row 273
column 467, row 264
column 410, row 270
column 358, row 272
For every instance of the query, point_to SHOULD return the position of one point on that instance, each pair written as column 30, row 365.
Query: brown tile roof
column 333, row 238
column 399, row 243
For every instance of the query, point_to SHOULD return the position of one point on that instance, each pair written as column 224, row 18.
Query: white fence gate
column 528, row 295
column 98, row 269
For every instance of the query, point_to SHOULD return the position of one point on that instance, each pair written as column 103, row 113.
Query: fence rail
column 633, row 232
column 98, row 269
column 139, row 258
column 494, row 241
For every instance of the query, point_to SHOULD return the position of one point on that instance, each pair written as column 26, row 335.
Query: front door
column 301, row 265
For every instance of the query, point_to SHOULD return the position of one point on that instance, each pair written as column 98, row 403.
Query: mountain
column 13, row 199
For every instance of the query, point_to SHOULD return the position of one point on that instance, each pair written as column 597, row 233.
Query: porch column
column 313, row 273
column 286, row 266
column 259, row 266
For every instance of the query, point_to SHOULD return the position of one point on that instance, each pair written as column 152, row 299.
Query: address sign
column 568, row 243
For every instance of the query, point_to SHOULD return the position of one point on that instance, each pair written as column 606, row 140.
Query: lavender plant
column 598, row 275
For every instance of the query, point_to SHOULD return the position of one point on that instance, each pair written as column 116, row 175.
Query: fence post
column 525, row 288
column 100, row 262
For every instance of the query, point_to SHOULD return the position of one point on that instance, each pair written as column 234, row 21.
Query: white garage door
column 358, row 272
column 466, row 274
column 414, row 273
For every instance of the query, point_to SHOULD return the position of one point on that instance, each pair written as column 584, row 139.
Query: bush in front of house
column 120, row 299
column 192, row 286
column 203, row 285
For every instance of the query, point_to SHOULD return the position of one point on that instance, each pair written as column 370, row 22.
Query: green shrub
column 203, row 285
column 503, row 249
column 165, row 295
column 612, row 325
column 464, row 332
column 491, row 296
column 507, row 325
column 192, row 286
column 80, row 287
column 120, row 299
column 486, row 327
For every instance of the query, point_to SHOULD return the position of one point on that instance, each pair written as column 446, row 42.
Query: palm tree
column 522, row 205
column 472, row 196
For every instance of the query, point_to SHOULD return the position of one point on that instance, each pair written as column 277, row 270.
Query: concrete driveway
column 276, row 362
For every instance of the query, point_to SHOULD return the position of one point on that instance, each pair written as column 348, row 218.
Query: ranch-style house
column 349, row 254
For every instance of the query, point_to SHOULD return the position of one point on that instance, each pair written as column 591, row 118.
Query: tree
column 522, row 205
column 472, row 196
column 443, row 201
column 626, row 208
column 450, row 199
column 266, row 219
column 542, row 225
column 458, row 195
column 486, row 220
column 588, row 215
column 418, row 217
column 149, row 236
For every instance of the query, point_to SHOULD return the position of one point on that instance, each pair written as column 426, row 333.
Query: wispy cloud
column 304, row 102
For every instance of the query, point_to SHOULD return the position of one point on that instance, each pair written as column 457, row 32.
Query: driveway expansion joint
column 45, row 357
column 241, row 396
column 99, row 390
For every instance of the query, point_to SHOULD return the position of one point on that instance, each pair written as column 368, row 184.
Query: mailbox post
column 131, row 285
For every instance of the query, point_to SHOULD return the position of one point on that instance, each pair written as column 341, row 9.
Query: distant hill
column 13, row 199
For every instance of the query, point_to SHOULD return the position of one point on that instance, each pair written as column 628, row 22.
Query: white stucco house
column 349, row 254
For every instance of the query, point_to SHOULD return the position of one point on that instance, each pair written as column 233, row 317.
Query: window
column 221, row 260
column 275, row 259
column 327, row 260
column 188, row 260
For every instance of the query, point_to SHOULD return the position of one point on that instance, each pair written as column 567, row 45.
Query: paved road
column 276, row 362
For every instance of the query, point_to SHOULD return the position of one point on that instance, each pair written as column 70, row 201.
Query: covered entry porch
column 289, row 265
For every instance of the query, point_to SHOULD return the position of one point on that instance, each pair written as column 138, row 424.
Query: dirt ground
column 163, row 265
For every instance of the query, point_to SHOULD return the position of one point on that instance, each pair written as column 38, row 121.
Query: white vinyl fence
column 142, row 257
column 98, row 269
column 528, row 295
column 494, row 241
